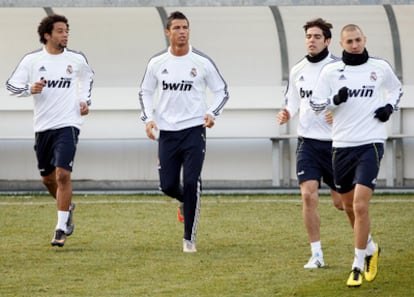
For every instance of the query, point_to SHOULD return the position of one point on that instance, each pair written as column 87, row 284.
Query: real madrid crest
column 69, row 69
column 193, row 72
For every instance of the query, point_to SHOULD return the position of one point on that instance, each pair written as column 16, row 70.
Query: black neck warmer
column 319, row 57
column 355, row 59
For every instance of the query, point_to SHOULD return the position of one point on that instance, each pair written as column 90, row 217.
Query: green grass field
column 247, row 246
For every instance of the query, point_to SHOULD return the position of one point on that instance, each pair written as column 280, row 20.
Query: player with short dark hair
column 60, row 81
column 181, row 74
column 363, row 92
column 314, row 149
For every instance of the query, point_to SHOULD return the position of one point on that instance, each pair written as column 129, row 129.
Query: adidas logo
column 42, row 69
column 301, row 78
column 342, row 77
column 165, row 71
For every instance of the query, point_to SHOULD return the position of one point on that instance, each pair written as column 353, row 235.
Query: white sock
column 316, row 248
column 359, row 259
column 62, row 219
column 371, row 247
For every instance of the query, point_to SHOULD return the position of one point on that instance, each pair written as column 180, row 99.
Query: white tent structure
column 254, row 43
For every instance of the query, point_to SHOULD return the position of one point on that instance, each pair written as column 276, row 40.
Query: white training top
column 371, row 85
column 181, row 82
column 302, row 79
column 68, row 82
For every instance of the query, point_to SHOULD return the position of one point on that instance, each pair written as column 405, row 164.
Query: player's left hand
column 383, row 113
column 208, row 121
column 84, row 108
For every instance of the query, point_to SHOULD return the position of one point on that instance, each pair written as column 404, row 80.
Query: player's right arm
column 146, row 97
column 19, row 83
column 151, row 129
column 283, row 116
column 37, row 87
column 292, row 100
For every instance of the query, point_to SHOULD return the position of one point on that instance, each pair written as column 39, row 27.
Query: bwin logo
column 182, row 86
column 365, row 91
column 305, row 93
column 63, row 82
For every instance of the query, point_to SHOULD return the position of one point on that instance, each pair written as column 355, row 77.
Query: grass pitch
column 247, row 246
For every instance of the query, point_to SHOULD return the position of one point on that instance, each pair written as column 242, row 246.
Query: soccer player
column 363, row 92
column 314, row 148
column 60, row 81
column 181, row 74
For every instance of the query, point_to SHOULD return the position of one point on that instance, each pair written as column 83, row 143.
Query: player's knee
column 167, row 191
column 307, row 199
column 48, row 181
column 62, row 176
column 192, row 185
column 309, row 196
column 170, row 190
column 338, row 204
column 337, row 201
column 360, row 209
column 348, row 208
